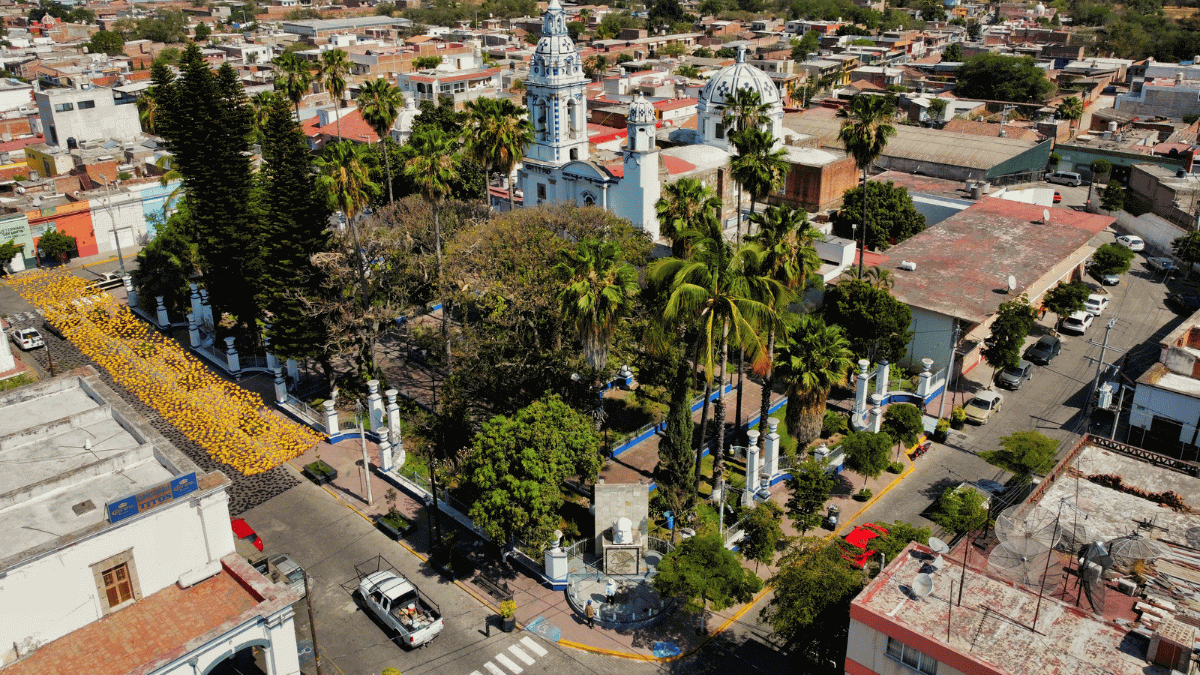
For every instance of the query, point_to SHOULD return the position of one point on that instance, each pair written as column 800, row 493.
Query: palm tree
column 431, row 161
column 865, row 132
column 682, row 205
column 147, row 106
column 500, row 130
column 293, row 78
column 1071, row 109
column 758, row 167
column 379, row 102
column 331, row 73
column 743, row 110
column 814, row 357
column 261, row 105
column 710, row 291
column 595, row 65
column 874, row 275
column 784, row 240
column 598, row 290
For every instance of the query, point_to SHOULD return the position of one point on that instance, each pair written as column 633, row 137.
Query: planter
column 957, row 425
column 320, row 473
column 392, row 527
column 507, row 624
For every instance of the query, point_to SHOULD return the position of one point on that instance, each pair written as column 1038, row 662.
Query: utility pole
column 1100, row 362
column 113, row 220
column 362, row 437
column 312, row 625
column 949, row 370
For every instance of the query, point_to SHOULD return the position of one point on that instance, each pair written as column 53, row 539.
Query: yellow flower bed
column 229, row 422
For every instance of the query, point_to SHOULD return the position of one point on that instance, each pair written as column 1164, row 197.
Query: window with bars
column 910, row 657
column 117, row 585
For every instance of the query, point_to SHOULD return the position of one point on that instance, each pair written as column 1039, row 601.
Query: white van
column 1065, row 178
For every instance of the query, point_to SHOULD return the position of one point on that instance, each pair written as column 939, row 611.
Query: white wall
column 1157, row 231
column 11, row 99
column 126, row 216
column 868, row 647
column 1149, row 401
column 932, row 333
column 105, row 121
column 49, row 597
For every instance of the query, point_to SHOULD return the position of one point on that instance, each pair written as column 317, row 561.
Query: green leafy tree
column 597, row 293
column 960, row 509
column 974, row 30
column 683, row 206
column 874, row 322
column 867, row 453
column 809, row 488
column 672, row 49
column 295, row 228
column 902, row 421
column 332, row 71
column 865, row 131
column 933, row 10
column 1024, row 453
column 937, row 109
column 953, row 53
column 701, row 571
column 206, row 124
column 665, row 12
column 809, row 610
column 1014, row 319
column 427, row 62
column 8, row 250
column 57, row 245
column 1113, row 197
column 517, row 463
column 1065, row 298
column 763, row 533
column 814, row 357
column 1071, row 109
column 802, row 47
column 168, row 25
column 106, row 42
column 499, row 132
column 899, row 535
column 676, row 458
column 1112, row 259
column 893, row 218
column 996, row 77
column 166, row 265
column 379, row 103
column 203, row 32
column 1187, row 249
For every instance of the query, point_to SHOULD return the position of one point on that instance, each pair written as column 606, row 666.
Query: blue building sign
column 132, row 505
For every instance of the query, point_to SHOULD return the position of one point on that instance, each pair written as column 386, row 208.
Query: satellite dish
column 938, row 562
column 922, row 585
column 1012, row 283
column 938, row 546
column 1046, row 215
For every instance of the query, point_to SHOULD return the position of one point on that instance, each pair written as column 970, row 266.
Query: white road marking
column 493, row 668
column 521, row 655
column 509, row 663
column 533, row 646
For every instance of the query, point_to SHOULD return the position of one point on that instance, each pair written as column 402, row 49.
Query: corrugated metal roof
column 920, row 144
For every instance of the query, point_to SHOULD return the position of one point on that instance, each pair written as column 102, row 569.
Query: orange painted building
column 73, row 218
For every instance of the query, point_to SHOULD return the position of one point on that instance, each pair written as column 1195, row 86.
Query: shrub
column 833, row 423
column 508, row 608
column 943, row 426
column 864, row 494
column 958, row 414
column 896, row 467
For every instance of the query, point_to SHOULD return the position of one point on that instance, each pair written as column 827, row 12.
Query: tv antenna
column 922, row 585
column 1025, row 562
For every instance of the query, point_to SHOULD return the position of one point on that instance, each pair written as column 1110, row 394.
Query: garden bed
column 394, row 525
column 320, row 473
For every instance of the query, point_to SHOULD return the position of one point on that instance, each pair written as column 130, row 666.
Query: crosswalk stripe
column 521, row 655
column 533, row 646
column 509, row 663
column 493, row 668
column 476, row 672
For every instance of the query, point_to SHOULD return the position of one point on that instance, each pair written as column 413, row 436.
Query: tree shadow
column 935, row 489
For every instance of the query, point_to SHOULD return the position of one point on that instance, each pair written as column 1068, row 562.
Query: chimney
column 1178, row 78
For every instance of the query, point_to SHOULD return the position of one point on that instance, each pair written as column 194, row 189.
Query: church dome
column 641, row 111
column 740, row 75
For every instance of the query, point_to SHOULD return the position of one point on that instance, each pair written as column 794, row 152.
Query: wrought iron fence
column 252, row 361
column 579, row 548
column 409, row 471
column 305, row 411
column 660, row 545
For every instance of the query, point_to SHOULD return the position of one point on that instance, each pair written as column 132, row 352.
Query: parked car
column 1044, row 350
column 1065, row 178
column 1078, row 322
column 246, row 534
column 1095, row 304
column 1107, row 279
column 27, row 338
column 1013, row 378
column 397, row 603
column 1187, row 303
column 860, row 538
column 1131, row 242
column 109, row 280
column 1057, row 197
column 281, row 569
column 981, row 408
column 1161, row 264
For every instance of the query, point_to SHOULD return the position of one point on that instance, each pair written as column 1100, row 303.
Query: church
column 559, row 167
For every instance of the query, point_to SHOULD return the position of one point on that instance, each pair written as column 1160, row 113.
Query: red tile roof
column 20, row 143
column 480, row 75
column 676, row 104
column 354, row 128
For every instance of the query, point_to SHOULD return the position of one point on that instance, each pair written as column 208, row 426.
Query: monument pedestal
column 623, row 558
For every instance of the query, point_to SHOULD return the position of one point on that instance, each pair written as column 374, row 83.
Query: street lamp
column 113, row 220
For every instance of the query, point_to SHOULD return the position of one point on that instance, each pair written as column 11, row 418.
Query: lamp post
column 113, row 220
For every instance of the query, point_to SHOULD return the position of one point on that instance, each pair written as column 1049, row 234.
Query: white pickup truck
column 399, row 605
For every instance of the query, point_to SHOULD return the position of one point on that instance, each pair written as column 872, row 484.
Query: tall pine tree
column 294, row 229
column 206, row 122
column 676, row 456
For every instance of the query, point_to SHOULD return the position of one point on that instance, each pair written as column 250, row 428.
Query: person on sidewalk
column 610, row 591
column 590, row 613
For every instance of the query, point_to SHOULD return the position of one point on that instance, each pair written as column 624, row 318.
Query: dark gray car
column 1013, row 378
column 1044, row 350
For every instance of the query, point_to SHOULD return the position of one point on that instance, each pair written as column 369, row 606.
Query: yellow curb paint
column 874, row 498
column 100, row 262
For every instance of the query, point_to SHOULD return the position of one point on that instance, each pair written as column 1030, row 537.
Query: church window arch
column 589, row 199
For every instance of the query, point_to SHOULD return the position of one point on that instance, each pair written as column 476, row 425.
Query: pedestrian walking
column 610, row 590
column 590, row 613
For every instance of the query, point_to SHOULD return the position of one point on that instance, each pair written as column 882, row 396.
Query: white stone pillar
column 393, row 415
column 876, row 419
column 771, row 447
column 231, row 357
column 193, row 331
column 280, row 385
column 282, row 657
column 163, row 320
column 195, row 298
column 271, row 360
column 6, row 358
column 293, row 370
column 926, row 378
column 375, row 404
column 206, row 311
column 385, row 450
column 753, row 467
column 131, row 296
column 861, row 385
column 752, row 438
column 881, row 377
column 331, row 418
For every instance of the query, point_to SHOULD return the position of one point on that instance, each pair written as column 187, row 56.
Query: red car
column 1057, row 197
column 859, row 538
column 243, row 531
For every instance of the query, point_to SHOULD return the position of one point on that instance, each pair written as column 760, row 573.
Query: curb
column 98, row 262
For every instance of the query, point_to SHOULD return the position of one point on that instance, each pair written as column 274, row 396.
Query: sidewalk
column 546, row 611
